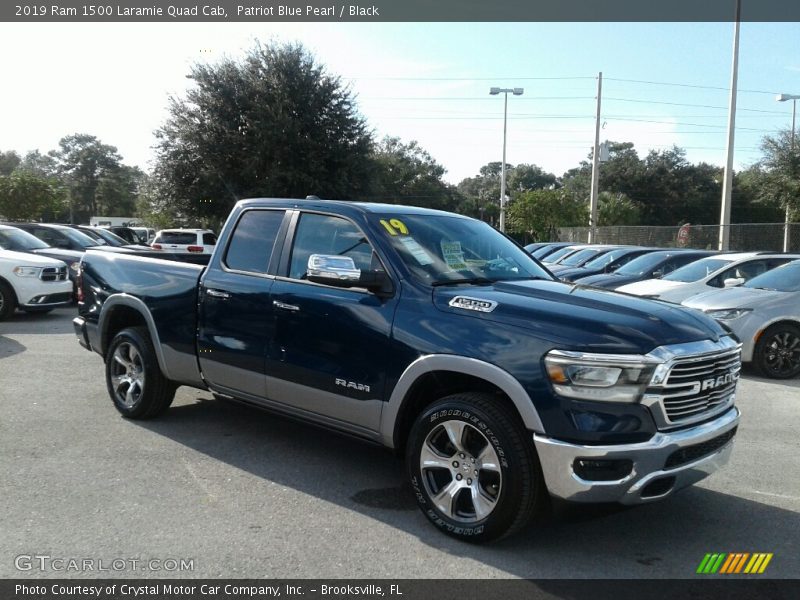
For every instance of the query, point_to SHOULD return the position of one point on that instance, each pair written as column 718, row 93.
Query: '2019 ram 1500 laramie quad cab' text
column 432, row 334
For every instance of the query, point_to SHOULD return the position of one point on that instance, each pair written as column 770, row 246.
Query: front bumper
column 667, row 462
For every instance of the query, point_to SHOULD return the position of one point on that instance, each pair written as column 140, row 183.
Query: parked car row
column 30, row 254
column 756, row 295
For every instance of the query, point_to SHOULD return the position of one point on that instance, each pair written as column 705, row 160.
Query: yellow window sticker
column 394, row 226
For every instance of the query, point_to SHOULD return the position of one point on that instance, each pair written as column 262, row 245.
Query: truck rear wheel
column 134, row 379
column 473, row 469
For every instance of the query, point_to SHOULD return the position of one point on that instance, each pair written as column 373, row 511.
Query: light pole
column 517, row 92
column 794, row 99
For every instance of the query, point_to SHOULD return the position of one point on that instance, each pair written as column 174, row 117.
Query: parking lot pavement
column 244, row 493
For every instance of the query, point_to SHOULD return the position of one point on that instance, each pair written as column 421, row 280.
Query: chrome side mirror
column 332, row 269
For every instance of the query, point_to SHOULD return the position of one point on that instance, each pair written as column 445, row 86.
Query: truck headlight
column 27, row 271
column 602, row 377
column 728, row 314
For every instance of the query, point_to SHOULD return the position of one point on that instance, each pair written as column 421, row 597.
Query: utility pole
column 727, row 185
column 787, row 224
column 494, row 92
column 595, row 165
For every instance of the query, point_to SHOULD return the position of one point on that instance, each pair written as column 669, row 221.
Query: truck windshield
column 442, row 250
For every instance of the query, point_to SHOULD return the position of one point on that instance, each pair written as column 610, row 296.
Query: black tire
column 134, row 380
column 513, row 492
column 8, row 301
column 777, row 352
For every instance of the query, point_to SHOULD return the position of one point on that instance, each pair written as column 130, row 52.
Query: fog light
column 592, row 469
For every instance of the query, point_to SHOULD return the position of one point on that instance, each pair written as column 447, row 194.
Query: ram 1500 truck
column 432, row 334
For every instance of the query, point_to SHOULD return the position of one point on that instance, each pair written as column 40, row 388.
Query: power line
column 773, row 112
column 468, row 78
column 689, row 85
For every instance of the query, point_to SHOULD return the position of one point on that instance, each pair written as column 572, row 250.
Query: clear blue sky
column 426, row 81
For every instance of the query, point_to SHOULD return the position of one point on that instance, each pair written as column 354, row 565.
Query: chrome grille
column 53, row 274
column 700, row 385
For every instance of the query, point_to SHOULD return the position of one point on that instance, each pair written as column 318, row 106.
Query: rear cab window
column 253, row 240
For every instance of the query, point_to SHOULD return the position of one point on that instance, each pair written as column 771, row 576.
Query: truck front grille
column 700, row 385
column 53, row 274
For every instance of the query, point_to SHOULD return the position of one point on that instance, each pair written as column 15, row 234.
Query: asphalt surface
column 243, row 493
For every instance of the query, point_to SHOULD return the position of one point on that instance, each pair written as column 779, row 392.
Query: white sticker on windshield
column 454, row 256
column 418, row 252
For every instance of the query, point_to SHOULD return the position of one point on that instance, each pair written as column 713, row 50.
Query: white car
column 32, row 283
column 764, row 314
column 185, row 241
column 714, row 272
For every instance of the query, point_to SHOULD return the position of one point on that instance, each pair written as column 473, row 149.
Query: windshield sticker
column 454, row 256
column 418, row 252
column 394, row 226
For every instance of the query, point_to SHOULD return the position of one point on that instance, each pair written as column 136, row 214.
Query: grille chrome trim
column 696, row 382
column 53, row 274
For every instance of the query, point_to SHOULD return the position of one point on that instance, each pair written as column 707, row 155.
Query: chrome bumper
column 649, row 459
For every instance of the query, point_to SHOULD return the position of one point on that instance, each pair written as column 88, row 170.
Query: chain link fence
column 744, row 237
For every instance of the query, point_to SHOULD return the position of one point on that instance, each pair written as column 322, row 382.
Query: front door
column 332, row 345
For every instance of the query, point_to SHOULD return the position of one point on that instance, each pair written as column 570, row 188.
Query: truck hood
column 579, row 317
column 21, row 259
column 738, row 297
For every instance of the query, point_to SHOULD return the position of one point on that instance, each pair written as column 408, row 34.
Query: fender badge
column 476, row 304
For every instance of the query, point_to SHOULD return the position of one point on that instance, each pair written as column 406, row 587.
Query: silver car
column 764, row 313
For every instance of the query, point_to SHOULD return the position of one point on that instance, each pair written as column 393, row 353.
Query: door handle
column 217, row 293
column 284, row 306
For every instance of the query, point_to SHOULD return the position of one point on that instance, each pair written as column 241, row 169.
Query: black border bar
column 259, row 11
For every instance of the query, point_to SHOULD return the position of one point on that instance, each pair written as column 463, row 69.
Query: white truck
column 32, row 283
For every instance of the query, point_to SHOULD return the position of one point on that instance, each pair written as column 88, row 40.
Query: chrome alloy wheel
column 782, row 353
column 461, row 471
column 127, row 374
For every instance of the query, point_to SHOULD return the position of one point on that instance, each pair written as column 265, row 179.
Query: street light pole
column 727, row 184
column 517, row 92
column 787, row 222
column 593, row 193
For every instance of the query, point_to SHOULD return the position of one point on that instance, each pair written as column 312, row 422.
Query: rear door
column 236, row 319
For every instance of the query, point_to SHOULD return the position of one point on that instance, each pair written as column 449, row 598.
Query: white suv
column 185, row 241
column 32, row 283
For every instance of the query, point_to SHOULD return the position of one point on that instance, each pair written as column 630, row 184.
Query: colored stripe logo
column 734, row 563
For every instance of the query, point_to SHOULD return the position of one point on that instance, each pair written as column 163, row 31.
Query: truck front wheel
column 134, row 379
column 473, row 469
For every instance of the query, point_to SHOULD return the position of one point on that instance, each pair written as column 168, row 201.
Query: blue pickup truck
column 434, row 335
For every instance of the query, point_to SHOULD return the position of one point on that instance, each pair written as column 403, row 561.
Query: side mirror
column 340, row 271
column 733, row 282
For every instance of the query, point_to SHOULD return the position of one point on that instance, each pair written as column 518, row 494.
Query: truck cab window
column 252, row 240
column 323, row 234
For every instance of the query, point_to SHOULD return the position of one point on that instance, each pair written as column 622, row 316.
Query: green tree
column 273, row 124
column 526, row 177
column 617, row 209
column 87, row 166
column 539, row 213
column 44, row 165
column 26, row 196
column 407, row 174
column 780, row 169
column 8, row 162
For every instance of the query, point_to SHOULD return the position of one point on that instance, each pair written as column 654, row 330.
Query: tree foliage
column 25, row 196
column 273, row 124
column 539, row 213
column 407, row 174
column 617, row 209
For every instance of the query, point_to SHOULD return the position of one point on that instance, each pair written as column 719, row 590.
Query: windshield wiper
column 472, row 280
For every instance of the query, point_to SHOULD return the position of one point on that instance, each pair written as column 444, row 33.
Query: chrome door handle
column 217, row 293
column 284, row 306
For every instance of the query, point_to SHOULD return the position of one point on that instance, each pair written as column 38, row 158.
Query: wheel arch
column 433, row 376
column 121, row 311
